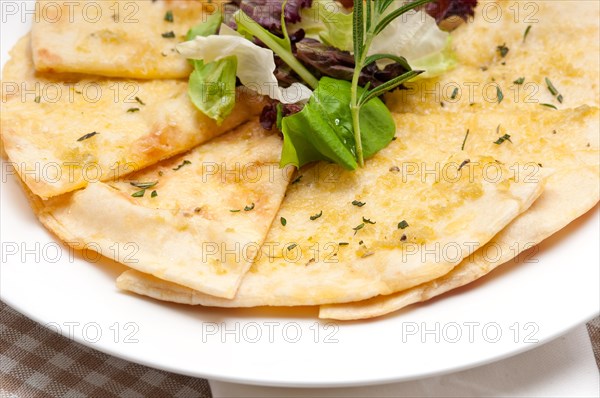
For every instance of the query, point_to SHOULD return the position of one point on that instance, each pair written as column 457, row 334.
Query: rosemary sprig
column 369, row 20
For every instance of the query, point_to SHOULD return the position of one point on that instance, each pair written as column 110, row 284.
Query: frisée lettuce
column 258, row 63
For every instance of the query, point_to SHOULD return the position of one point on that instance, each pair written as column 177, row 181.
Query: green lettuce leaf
column 415, row 36
column 323, row 129
column 209, row 26
column 257, row 64
column 328, row 22
column 337, row 24
column 212, row 87
column 437, row 63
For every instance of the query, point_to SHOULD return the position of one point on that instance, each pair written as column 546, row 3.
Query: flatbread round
column 545, row 43
column 566, row 141
column 344, row 238
column 63, row 131
column 197, row 219
column 118, row 38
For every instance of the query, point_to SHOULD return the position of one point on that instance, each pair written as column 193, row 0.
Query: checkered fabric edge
column 36, row 362
column 593, row 328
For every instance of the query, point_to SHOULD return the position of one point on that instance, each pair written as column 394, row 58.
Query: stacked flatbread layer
column 548, row 43
column 110, row 157
column 62, row 131
column 225, row 227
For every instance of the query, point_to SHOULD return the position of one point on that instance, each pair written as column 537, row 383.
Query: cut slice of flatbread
column 566, row 141
column 120, row 38
column 62, row 131
column 560, row 45
column 540, row 40
column 197, row 219
column 410, row 215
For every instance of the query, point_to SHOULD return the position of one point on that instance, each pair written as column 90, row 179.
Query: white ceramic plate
column 516, row 308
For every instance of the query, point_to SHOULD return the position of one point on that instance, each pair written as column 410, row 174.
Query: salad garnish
column 323, row 67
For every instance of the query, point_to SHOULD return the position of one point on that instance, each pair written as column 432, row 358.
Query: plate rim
column 113, row 349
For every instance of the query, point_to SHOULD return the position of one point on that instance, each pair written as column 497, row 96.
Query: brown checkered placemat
column 593, row 328
column 35, row 362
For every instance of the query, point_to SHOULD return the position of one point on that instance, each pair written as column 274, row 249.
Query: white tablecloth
column 564, row 367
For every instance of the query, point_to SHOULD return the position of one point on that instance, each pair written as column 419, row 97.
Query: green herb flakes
column 454, row 93
column 85, row 137
column 502, row 50
column 312, row 218
column 505, row 137
column 402, row 224
column 358, row 227
column 143, row 185
column 549, row 106
column 185, row 163
column 526, row 33
column 551, row 87
column 554, row 91
column 499, row 94
column 464, row 163
column 462, row 148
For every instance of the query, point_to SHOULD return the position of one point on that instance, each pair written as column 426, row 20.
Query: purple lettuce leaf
column 443, row 9
column 267, row 13
column 323, row 60
column 268, row 116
